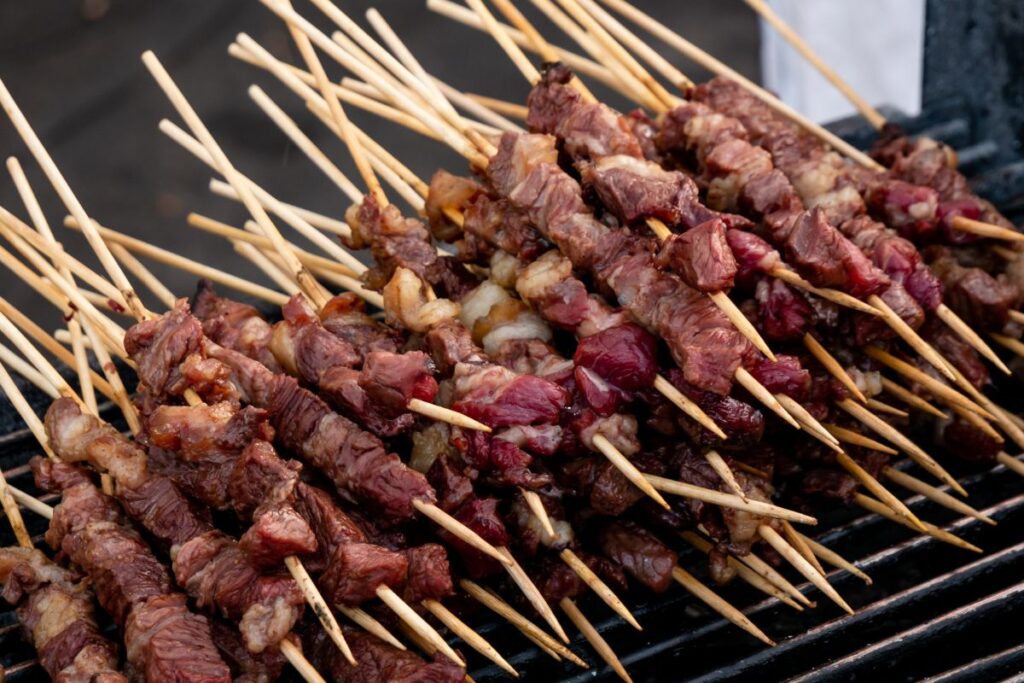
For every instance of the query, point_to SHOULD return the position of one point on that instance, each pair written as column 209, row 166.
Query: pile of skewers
column 618, row 333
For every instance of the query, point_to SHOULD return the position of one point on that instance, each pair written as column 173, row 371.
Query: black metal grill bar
column 1008, row 663
column 885, row 654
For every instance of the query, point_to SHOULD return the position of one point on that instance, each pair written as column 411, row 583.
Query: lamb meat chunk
column 355, row 570
column 331, row 526
column 641, row 554
column 785, row 316
column 429, row 577
column 753, row 255
column 376, row 661
column 233, row 324
column 480, row 515
column 344, row 315
column 166, row 642
column 623, row 356
column 784, row 376
column 701, row 256
column 448, row 191
column 78, row 437
column 277, row 532
column 824, row 256
column 741, row 422
column 164, row 512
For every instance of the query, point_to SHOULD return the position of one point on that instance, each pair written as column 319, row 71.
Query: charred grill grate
column 934, row 611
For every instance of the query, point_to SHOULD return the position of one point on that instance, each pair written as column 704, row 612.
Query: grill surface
column 934, row 612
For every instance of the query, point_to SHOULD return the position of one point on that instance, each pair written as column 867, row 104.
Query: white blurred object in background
column 877, row 46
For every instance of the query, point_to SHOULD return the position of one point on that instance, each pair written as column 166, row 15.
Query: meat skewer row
column 389, row 231
column 311, row 287
column 325, row 43
column 264, row 468
column 904, row 508
column 163, row 638
column 991, row 223
column 224, row 166
column 72, row 647
column 890, row 190
column 687, row 406
column 165, row 513
column 591, row 4
column 110, row 265
column 393, row 231
column 294, row 18
column 898, row 249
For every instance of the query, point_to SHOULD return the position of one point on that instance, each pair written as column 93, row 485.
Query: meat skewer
column 72, row 647
column 993, row 229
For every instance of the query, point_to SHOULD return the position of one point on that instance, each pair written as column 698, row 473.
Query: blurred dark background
column 74, row 68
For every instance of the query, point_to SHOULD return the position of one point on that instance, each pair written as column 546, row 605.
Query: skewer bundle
column 575, row 386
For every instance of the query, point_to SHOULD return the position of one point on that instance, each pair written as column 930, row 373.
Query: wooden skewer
column 635, row 476
column 56, row 290
column 30, row 503
column 797, row 540
column 721, row 468
column 533, row 594
column 188, row 265
column 1003, row 417
column 261, row 198
column 965, row 332
column 234, row 234
column 576, row 62
column 1017, row 316
column 1010, row 343
column 267, row 267
column 513, row 109
column 769, row 573
column 1011, row 463
column 436, row 412
column 890, row 433
column 874, row 486
column 715, row 602
column 935, row 387
column 317, row 220
column 995, row 232
column 834, row 295
column 136, row 268
column 872, row 505
column 536, row 506
column 471, row 637
column 934, row 494
column 668, row 390
column 418, row 623
column 832, row 365
column 223, row 165
column 910, row 398
column 298, row 660
column 472, row 105
column 23, row 368
column 8, row 503
column 458, row 529
column 873, row 116
column 911, row 337
column 366, row 621
column 678, row 488
column 882, row 407
column 701, row 57
column 836, row 560
column 599, row 644
column 772, row 537
column 807, row 421
column 758, row 391
column 55, row 177
column 38, row 218
column 602, row 589
column 23, row 235
column 43, row 339
column 857, row 439
column 527, row 627
column 743, row 571
column 978, row 423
